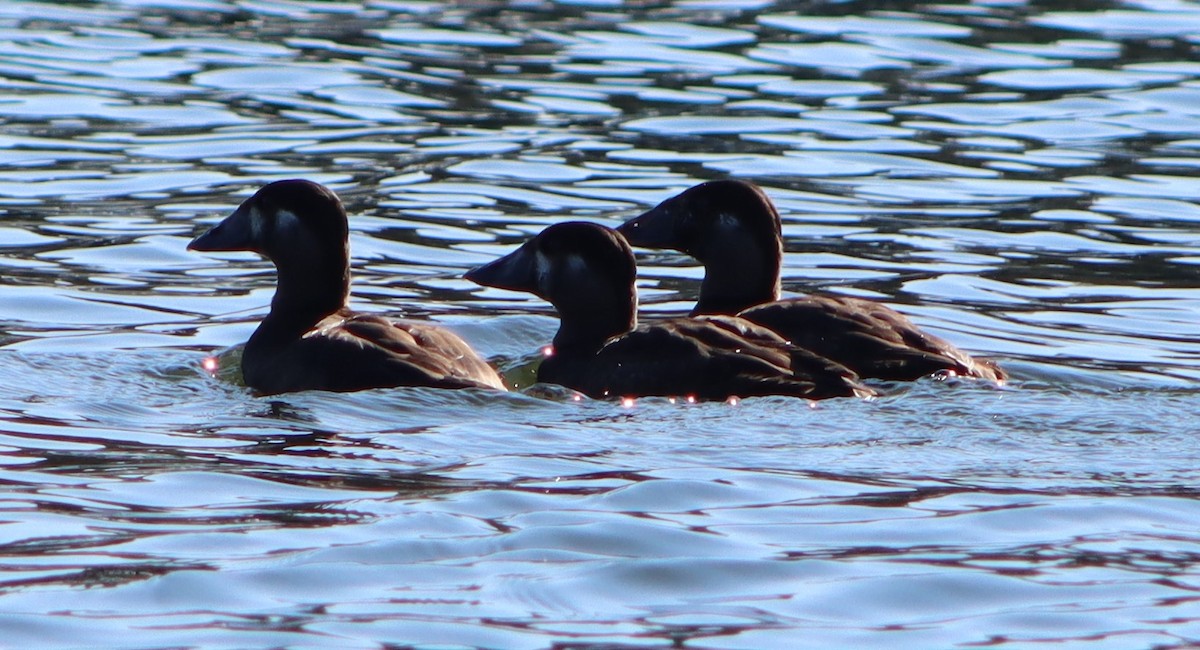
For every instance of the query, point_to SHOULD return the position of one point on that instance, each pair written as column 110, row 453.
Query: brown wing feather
column 709, row 358
column 435, row 347
column 433, row 350
column 365, row 351
column 871, row 338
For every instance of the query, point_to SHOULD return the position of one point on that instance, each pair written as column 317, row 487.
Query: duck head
column 301, row 226
column 585, row 270
column 729, row 226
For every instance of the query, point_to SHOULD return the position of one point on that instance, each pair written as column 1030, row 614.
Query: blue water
column 1019, row 179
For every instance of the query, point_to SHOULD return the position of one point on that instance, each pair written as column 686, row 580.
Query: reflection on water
column 1017, row 178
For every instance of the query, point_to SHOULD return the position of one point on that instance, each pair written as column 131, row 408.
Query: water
column 1018, row 178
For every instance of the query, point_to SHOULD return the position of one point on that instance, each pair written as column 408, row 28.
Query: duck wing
column 708, row 358
column 829, row 377
column 870, row 338
column 348, row 352
column 433, row 355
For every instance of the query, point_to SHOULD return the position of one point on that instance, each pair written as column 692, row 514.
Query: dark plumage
column 733, row 229
column 587, row 272
column 310, row 339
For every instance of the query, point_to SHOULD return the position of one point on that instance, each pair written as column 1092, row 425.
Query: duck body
column 587, row 272
column 873, row 339
column 348, row 352
column 710, row 358
column 733, row 229
column 311, row 340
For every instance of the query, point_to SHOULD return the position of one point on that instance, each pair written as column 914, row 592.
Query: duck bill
column 516, row 271
column 234, row 233
column 653, row 229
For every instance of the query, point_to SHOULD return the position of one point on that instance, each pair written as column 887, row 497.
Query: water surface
column 1018, row 179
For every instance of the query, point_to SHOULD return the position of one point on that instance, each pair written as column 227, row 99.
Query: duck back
column 709, row 358
column 871, row 338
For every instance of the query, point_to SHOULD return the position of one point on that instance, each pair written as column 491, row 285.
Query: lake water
column 1019, row 178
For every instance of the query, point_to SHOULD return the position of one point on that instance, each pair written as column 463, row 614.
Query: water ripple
column 1017, row 179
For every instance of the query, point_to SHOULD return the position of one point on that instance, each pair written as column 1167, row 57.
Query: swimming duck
column 587, row 271
column 310, row 340
column 734, row 230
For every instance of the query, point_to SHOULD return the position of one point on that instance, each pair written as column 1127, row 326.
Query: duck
column 586, row 271
column 733, row 229
column 310, row 339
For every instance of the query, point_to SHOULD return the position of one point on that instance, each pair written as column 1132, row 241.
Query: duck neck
column 737, row 277
column 586, row 325
column 307, row 292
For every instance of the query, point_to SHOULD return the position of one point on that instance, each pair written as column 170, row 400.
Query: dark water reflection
column 1018, row 178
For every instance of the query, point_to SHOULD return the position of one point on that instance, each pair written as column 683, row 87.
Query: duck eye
column 286, row 221
column 576, row 265
column 727, row 221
